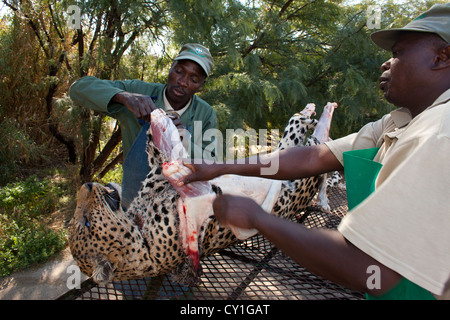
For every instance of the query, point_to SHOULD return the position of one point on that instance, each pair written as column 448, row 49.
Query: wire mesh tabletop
column 250, row 270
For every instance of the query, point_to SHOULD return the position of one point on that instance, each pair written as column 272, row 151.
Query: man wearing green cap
column 132, row 101
column 394, row 243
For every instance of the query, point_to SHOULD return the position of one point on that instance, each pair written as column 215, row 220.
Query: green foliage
column 24, row 237
column 292, row 53
column 114, row 175
column 16, row 150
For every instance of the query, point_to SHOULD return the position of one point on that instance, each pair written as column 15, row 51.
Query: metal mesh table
column 253, row 269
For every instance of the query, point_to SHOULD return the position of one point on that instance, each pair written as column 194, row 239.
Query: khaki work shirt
column 405, row 223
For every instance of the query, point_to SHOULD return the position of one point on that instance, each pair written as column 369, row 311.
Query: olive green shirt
column 96, row 94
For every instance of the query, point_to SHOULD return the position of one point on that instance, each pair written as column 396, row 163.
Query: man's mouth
column 178, row 91
column 383, row 82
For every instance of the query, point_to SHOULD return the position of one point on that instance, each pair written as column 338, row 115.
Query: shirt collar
column 168, row 107
column 401, row 117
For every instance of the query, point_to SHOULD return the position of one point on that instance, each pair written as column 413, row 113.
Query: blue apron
column 360, row 175
column 135, row 167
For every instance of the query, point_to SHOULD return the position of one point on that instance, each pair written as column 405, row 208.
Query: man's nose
column 386, row 66
column 183, row 81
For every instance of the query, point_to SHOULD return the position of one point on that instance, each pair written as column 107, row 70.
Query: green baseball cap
column 198, row 53
column 436, row 20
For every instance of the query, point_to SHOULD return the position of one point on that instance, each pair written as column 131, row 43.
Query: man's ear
column 442, row 59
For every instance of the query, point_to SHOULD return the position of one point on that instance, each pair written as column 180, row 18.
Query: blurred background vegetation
column 272, row 58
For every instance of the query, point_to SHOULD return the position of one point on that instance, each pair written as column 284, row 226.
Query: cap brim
column 386, row 39
column 193, row 58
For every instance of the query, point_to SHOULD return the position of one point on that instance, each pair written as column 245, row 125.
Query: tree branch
column 111, row 165
column 32, row 25
column 113, row 141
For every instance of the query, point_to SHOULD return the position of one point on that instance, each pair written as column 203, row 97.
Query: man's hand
column 141, row 105
column 200, row 172
column 175, row 119
column 237, row 211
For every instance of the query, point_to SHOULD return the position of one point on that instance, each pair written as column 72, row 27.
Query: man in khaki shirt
column 399, row 233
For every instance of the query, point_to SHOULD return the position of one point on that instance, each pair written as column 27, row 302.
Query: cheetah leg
column 322, row 130
column 309, row 110
column 322, row 133
column 166, row 137
column 322, row 198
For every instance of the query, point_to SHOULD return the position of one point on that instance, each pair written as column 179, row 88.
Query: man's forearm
column 325, row 253
column 93, row 93
column 293, row 163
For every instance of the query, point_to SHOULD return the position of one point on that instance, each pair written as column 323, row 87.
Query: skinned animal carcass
column 169, row 229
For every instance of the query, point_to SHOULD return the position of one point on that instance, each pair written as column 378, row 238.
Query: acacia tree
column 273, row 57
column 39, row 21
column 107, row 30
column 284, row 54
column 117, row 26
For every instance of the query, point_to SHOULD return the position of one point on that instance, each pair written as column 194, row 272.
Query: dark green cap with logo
column 436, row 20
column 198, row 53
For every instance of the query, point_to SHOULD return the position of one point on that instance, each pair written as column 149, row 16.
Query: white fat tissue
column 195, row 205
column 264, row 192
column 193, row 212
